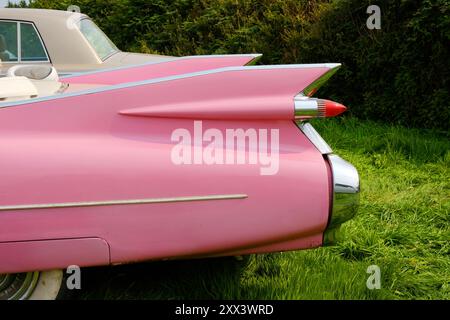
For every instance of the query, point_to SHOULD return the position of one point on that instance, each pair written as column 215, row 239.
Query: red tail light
column 306, row 108
column 333, row 109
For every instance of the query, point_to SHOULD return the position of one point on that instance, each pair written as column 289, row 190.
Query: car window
column 102, row 45
column 31, row 47
column 8, row 41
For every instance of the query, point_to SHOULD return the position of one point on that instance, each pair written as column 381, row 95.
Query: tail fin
column 166, row 68
column 240, row 93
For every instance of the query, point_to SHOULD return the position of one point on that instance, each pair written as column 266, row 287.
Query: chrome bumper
column 345, row 185
column 345, row 200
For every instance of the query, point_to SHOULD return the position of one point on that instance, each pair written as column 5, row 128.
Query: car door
column 20, row 43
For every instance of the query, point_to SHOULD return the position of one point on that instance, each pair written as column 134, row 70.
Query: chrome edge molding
column 122, row 202
column 256, row 58
column 315, row 138
column 345, row 202
column 314, row 86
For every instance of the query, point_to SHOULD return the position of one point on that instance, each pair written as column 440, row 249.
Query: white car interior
column 27, row 82
column 34, row 72
column 32, row 81
column 17, row 88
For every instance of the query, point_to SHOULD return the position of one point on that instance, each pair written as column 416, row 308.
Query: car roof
column 64, row 44
column 33, row 14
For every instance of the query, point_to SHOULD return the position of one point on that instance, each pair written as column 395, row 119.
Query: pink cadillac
column 190, row 157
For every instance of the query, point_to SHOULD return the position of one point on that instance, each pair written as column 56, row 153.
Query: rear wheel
column 36, row 285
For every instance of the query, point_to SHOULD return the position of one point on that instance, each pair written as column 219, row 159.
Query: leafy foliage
column 399, row 74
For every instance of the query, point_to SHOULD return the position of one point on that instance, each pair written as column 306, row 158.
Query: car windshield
column 102, row 45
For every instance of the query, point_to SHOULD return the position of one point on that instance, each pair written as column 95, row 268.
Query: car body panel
column 73, row 166
column 25, row 256
column 126, row 168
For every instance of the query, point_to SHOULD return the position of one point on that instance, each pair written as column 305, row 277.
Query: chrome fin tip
column 333, row 65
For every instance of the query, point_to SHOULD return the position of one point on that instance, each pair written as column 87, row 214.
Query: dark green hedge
column 399, row 74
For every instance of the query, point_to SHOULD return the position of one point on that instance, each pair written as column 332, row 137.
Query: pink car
column 193, row 157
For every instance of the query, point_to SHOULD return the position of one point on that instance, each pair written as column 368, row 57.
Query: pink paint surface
column 52, row 254
column 81, row 148
column 160, row 69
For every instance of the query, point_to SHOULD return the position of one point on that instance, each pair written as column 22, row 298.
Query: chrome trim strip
column 19, row 42
column 157, row 80
column 314, row 86
column 122, row 202
column 314, row 137
column 256, row 58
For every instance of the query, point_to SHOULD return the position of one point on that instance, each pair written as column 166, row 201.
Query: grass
column 402, row 226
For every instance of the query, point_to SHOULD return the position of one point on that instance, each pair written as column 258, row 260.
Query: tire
column 37, row 285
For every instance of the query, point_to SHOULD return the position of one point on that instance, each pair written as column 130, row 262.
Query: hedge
column 398, row 74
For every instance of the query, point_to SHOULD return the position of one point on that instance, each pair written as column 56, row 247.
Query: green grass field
column 402, row 226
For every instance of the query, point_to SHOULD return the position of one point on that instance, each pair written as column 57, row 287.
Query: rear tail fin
column 170, row 67
column 242, row 93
